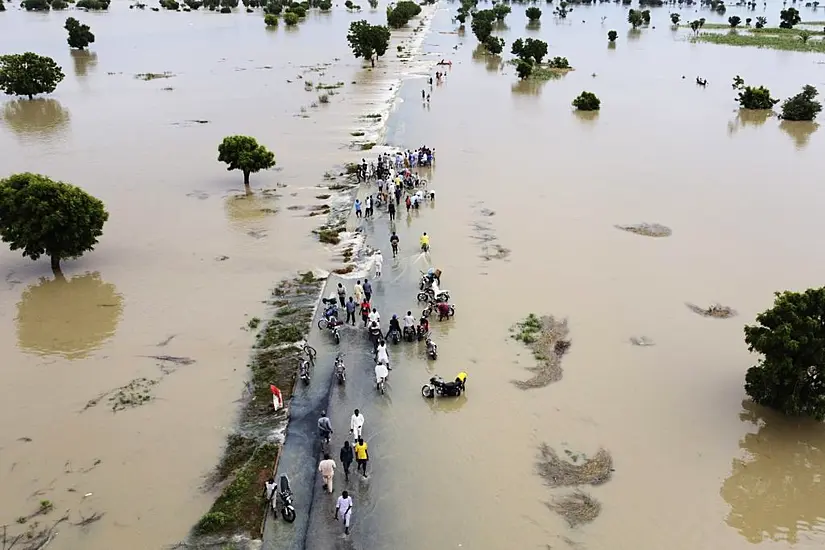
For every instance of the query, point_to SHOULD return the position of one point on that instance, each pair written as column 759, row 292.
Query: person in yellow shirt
column 425, row 242
column 361, row 456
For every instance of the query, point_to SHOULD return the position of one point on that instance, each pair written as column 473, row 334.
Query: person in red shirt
column 443, row 311
column 365, row 311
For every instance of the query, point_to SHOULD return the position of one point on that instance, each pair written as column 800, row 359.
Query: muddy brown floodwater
column 185, row 262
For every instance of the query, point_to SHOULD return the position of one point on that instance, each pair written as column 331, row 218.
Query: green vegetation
column 675, row 18
column 356, row 134
column 559, row 63
column 35, row 5
column 44, row 217
column 329, row 235
column 171, row 5
column 367, row 146
column 533, row 13
column 791, row 376
column 253, row 323
column 776, row 42
column 787, row 32
column 29, row 74
column 612, row 36
column 270, row 20
column 494, row 45
column 368, row 41
column 761, row 22
column 529, row 50
column 734, row 21
column 501, row 11
column 802, row 106
column 291, row 19
column 401, row 14
column 528, row 330
column 788, row 18
column 329, row 86
column 93, row 4
column 587, row 101
column 635, row 18
column 80, row 36
column 245, row 154
column 751, row 97
column 562, row 10
column 325, row 5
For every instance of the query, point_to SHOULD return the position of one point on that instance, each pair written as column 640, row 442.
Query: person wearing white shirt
column 381, row 373
column 356, row 424
column 327, row 469
column 409, row 320
column 382, row 355
column 343, row 509
column 374, row 316
column 378, row 258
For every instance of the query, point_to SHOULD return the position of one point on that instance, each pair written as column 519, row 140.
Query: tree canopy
column 634, row 17
column 587, row 101
column 751, row 97
column 44, row 217
column 612, row 35
column 482, row 28
column 789, row 18
column 501, row 11
column 368, row 41
column 400, row 15
column 29, row 74
column 802, row 106
column 791, row 338
column 244, row 153
column 529, row 49
column 80, row 36
column 533, row 13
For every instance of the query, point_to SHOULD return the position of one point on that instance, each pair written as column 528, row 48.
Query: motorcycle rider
column 381, row 373
column 425, row 242
column 375, row 334
column 324, row 426
column 394, row 326
column 409, row 323
column 423, row 327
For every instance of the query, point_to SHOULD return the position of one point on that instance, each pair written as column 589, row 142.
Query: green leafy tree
column 482, row 29
column 501, row 11
column 529, row 49
column 79, row 34
column 244, row 153
column 35, row 5
column 270, row 20
column 494, row 45
column 193, row 4
column 373, row 3
column 95, row 5
column 2, row 6
column 29, row 74
column 695, row 26
column 272, row 7
column 325, row 5
column 612, row 36
column 171, row 5
column 461, row 16
column 533, row 13
column 791, row 338
column 675, row 18
column 802, row 106
column 789, row 18
column 524, row 69
column 761, row 22
column 57, row 5
column 368, row 41
column 44, row 217
column 587, row 101
column 562, row 10
column 748, row 21
column 751, row 97
column 559, row 63
column 646, row 17
column 401, row 14
column 484, row 15
column 291, row 19
column 734, row 21
column 634, row 17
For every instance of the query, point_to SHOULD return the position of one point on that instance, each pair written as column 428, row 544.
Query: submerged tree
column 368, row 41
column 529, row 49
column 524, row 69
column 788, row 18
column 482, row 28
column 44, row 217
column 802, row 106
column 29, row 74
column 805, row 35
column 791, row 338
column 35, row 5
column 675, row 18
column 761, row 22
column 612, row 36
column 245, row 154
column 501, row 11
column 80, row 36
column 751, row 97
column 562, row 10
column 734, row 21
column 587, row 101
column 270, row 20
column 533, row 13
column 634, row 17
column 291, row 18
column 494, row 45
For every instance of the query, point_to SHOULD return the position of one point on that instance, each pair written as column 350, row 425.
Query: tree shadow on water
column 492, row 62
column 528, row 86
column 800, row 131
column 746, row 118
column 588, row 118
column 247, row 212
column 83, row 61
column 37, row 117
column 68, row 317
column 776, row 492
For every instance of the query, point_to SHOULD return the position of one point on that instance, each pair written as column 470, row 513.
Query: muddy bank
column 236, row 517
column 548, row 339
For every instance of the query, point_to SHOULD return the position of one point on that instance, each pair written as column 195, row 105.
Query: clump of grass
column 374, row 116
column 560, row 472
column 239, row 450
column 253, row 323
column 356, row 134
column 367, row 146
column 577, row 508
column 277, row 332
column 780, row 31
column 323, row 98
column 322, row 197
column 790, row 42
column 154, row 76
column 286, row 311
column 328, row 235
column 344, row 270
column 351, row 168
column 46, row 506
column 548, row 339
column 528, row 330
column 330, row 86
column 306, row 278
column 308, row 85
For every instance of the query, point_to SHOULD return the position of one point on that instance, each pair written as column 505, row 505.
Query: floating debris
column 559, row 472
column 716, row 311
column 577, row 508
column 154, row 76
column 171, row 359
column 641, row 341
column 547, row 337
column 647, row 229
column 134, row 394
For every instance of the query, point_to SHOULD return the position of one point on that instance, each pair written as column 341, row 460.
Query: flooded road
column 694, row 466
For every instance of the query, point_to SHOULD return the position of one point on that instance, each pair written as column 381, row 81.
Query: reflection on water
column 246, row 211
column 589, row 118
column 529, row 86
column 634, row 34
column 83, row 61
column 39, row 117
column 748, row 117
column 68, row 317
column 447, row 404
column 799, row 131
column 777, row 492
column 493, row 63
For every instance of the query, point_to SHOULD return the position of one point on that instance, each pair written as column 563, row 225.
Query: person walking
column 378, row 258
column 351, row 307
column 368, row 205
column 327, row 469
column 346, row 456
column 408, row 203
column 343, row 508
column 356, row 425
column 391, row 210
column 357, row 208
column 365, row 312
column 361, row 456
column 394, row 244
column 358, row 291
column 342, row 295
column 367, row 290
column 324, row 426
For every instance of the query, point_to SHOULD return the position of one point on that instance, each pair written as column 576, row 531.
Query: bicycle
column 310, row 352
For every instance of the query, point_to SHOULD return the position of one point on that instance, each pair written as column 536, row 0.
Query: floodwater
column 695, row 467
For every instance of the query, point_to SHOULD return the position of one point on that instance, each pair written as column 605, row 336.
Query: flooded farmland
column 186, row 259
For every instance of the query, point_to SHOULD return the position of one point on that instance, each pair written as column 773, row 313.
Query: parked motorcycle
column 331, row 324
column 431, row 295
column 303, row 372
column 394, row 336
column 330, row 308
column 340, row 370
column 282, row 500
column 409, row 334
column 438, row 386
column 432, row 307
column 421, row 333
column 432, row 349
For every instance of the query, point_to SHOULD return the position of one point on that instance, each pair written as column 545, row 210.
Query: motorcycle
column 427, row 281
column 330, row 308
column 431, row 308
column 394, row 336
column 409, row 334
column 303, row 372
column 332, row 324
column 282, row 499
column 438, row 386
column 432, row 349
column 421, row 333
column 340, row 370
column 431, row 295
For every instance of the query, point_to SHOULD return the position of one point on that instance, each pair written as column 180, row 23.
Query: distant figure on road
column 342, row 295
column 351, row 307
column 343, row 509
column 378, row 258
column 324, row 426
column 327, row 469
column 367, row 290
column 356, row 424
column 346, row 457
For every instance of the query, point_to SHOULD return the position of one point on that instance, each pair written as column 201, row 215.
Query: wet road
column 393, row 293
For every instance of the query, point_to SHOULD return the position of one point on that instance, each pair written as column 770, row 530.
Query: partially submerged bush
column 291, row 19
column 494, row 45
column 587, row 101
column 559, row 63
column 400, row 15
column 271, row 20
column 751, row 97
column 802, row 106
column 533, row 13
